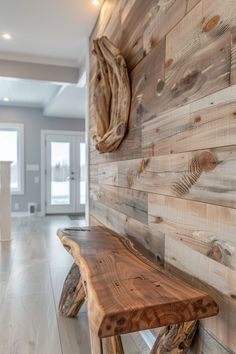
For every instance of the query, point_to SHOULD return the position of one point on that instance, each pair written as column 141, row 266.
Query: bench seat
column 125, row 291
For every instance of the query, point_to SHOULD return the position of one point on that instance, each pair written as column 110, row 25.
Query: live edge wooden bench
column 125, row 293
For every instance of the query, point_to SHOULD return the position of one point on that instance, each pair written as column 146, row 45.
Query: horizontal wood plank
column 205, row 343
column 146, row 238
column 145, row 78
column 233, row 58
column 140, row 37
column 189, row 74
column 161, row 174
column 131, row 43
column 212, row 276
column 131, row 147
column 186, row 216
column 130, row 202
column 183, row 130
column 191, row 4
column 160, row 19
column 208, row 271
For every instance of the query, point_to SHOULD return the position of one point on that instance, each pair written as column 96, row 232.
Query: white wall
column 34, row 122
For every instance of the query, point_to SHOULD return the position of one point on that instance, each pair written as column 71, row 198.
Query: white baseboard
column 19, row 214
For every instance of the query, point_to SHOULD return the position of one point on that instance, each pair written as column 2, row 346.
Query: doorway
column 64, row 173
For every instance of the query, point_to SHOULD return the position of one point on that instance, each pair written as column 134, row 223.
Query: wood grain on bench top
column 125, row 291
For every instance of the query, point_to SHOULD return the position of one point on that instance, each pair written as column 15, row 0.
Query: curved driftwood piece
column 204, row 162
column 128, row 293
column 175, row 339
column 112, row 96
column 73, row 295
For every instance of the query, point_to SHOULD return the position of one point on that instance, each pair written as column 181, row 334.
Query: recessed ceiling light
column 7, row 36
column 6, row 99
column 96, row 2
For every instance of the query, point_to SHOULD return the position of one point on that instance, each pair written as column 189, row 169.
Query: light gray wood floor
column 32, row 271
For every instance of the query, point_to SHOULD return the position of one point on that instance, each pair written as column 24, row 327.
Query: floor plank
column 29, row 325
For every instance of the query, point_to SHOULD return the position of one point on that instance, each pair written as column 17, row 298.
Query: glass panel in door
column 60, row 173
column 65, row 174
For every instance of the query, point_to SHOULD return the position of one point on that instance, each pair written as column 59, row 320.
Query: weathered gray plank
column 233, row 58
column 188, row 75
column 126, row 7
column 189, row 72
column 132, row 32
column 217, row 279
column 132, row 203
column 191, row 4
column 181, row 130
column 160, row 19
column 207, row 228
column 205, row 343
column 130, row 148
column 145, row 24
column 145, row 78
column 187, row 216
column 145, row 237
column 161, row 174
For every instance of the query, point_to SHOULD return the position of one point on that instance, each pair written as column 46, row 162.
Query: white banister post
column 5, row 201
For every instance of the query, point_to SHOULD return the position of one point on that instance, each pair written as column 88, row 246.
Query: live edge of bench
column 125, row 291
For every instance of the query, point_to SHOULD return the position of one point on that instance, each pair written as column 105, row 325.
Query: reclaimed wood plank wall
column 161, row 188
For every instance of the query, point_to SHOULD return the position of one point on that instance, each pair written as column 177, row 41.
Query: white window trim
column 20, row 128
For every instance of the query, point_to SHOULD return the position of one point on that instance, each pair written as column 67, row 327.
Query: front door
column 65, row 176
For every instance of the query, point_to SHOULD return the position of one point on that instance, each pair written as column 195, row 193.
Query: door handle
column 70, row 178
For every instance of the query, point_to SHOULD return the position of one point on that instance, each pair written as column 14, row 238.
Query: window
column 12, row 149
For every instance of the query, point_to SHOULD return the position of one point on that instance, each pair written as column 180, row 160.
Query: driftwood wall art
column 112, row 96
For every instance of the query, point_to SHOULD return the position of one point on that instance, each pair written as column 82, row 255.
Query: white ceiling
column 70, row 102
column 67, row 101
column 51, row 32
column 27, row 93
column 46, row 31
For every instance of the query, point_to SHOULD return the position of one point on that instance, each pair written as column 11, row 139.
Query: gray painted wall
column 34, row 122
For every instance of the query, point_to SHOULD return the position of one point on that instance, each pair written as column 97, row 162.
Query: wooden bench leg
column 93, row 319
column 112, row 345
column 95, row 341
column 73, row 295
column 175, row 339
